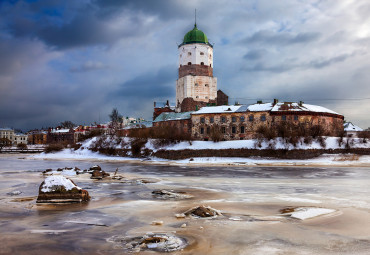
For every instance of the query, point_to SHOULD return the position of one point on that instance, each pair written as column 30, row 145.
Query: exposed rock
column 151, row 242
column 157, row 223
column 59, row 189
column 183, row 225
column 202, row 212
column 170, row 194
column 99, row 174
column 69, row 171
column 180, row 215
column 14, row 193
column 96, row 167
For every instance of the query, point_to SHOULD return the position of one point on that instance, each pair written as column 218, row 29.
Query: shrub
column 22, row 146
column 136, row 146
column 364, row 135
column 53, row 147
column 215, row 133
column 91, row 134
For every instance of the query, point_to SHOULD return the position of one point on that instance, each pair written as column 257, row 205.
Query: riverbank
column 339, row 160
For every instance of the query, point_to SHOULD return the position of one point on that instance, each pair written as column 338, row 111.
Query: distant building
column 20, row 138
column 37, row 137
column 61, row 136
column 14, row 138
column 351, row 129
column 7, row 133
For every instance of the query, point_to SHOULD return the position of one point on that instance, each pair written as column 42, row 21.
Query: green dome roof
column 195, row 36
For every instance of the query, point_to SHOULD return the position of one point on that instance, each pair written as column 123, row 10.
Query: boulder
column 203, row 212
column 59, row 189
column 96, row 167
column 99, row 174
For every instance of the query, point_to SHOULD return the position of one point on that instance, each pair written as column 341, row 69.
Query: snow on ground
column 331, row 143
column 304, row 213
column 57, row 180
column 84, row 153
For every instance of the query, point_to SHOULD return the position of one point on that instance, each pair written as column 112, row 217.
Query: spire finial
column 195, row 23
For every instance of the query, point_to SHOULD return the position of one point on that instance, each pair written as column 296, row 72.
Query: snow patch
column 54, row 181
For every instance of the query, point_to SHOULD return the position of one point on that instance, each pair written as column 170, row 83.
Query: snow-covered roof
column 166, row 116
column 6, row 129
column 60, row 130
column 218, row 109
column 287, row 106
column 349, row 126
column 260, row 107
column 143, row 124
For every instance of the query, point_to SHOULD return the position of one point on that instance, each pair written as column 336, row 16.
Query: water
column 249, row 198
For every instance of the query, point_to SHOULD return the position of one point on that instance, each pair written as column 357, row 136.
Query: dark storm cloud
column 280, row 38
column 255, row 54
column 149, row 85
column 164, row 9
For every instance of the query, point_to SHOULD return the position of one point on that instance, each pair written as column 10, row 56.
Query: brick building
column 238, row 122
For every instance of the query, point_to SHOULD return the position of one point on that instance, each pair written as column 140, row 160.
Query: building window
column 180, row 55
column 210, row 65
column 197, row 97
column 202, row 63
column 211, row 120
column 233, row 129
column 210, row 55
column 223, row 119
column 202, row 120
column 202, row 53
column 189, row 53
column 233, row 119
column 205, row 85
column 206, row 97
column 202, row 130
column 283, row 117
column 242, row 118
column 208, row 130
column 223, row 130
column 263, row 118
column 242, row 129
column 189, row 63
column 196, row 84
column 295, row 117
column 251, row 117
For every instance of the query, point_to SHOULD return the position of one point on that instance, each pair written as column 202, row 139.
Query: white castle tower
column 196, row 86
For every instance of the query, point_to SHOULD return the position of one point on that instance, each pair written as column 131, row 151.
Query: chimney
column 167, row 103
column 259, row 102
column 300, row 103
column 276, row 101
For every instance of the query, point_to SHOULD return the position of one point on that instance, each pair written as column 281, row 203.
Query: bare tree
column 67, row 124
column 4, row 142
column 116, row 121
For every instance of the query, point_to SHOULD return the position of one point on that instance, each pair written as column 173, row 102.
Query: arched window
column 202, row 53
column 202, row 63
column 189, row 63
column 189, row 53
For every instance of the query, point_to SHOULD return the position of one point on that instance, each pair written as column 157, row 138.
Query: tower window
column 202, row 53
column 263, row 118
column 210, row 65
column 202, row 63
column 223, row 119
column 189, row 53
column 205, row 85
column 189, row 63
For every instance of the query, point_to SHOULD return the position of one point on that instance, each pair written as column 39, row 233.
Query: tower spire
column 195, row 18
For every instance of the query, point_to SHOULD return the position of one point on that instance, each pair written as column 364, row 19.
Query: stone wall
column 189, row 104
column 244, row 125
column 195, row 70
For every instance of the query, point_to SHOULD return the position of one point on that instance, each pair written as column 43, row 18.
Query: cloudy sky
column 76, row 60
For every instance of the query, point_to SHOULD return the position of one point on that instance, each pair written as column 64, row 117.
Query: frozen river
column 251, row 200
